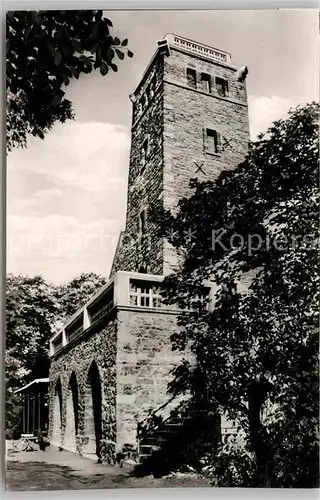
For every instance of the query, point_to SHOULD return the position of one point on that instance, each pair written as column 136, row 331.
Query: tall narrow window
column 146, row 98
column 151, row 89
column 212, row 141
column 221, row 86
column 142, row 224
column 206, row 82
column 192, row 78
column 144, row 154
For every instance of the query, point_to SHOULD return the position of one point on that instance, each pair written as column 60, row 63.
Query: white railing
column 199, row 48
column 143, row 294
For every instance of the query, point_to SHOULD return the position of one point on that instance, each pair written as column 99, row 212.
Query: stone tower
column 190, row 119
column 111, row 363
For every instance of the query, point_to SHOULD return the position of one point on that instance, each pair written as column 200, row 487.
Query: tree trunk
column 259, row 437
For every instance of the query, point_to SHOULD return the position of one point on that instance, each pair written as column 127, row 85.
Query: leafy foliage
column 44, row 51
column 257, row 351
column 30, row 310
column 34, row 310
column 75, row 294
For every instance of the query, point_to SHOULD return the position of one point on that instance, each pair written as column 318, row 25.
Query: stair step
column 151, row 441
column 165, row 432
column 143, row 456
column 146, row 449
column 174, row 425
column 175, row 420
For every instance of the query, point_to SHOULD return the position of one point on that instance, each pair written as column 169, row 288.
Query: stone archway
column 72, row 414
column 57, row 415
column 92, row 413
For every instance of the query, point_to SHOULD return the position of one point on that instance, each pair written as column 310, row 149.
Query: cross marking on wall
column 226, row 142
column 199, row 167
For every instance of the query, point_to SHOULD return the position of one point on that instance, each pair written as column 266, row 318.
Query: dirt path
column 23, row 476
column 54, row 470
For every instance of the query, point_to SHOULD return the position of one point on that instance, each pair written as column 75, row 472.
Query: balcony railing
column 74, row 333
column 137, row 290
column 101, row 312
column 144, row 294
column 57, row 347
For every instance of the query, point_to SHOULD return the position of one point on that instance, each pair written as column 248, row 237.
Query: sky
column 66, row 194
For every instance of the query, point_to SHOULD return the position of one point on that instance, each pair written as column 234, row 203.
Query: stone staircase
column 176, row 442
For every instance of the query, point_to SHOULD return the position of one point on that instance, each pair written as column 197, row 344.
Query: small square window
column 192, row 78
column 206, row 82
column 229, row 289
column 212, row 141
column 127, row 389
column 143, row 269
column 221, row 86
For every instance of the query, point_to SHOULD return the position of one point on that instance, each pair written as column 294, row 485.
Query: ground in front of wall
column 61, row 470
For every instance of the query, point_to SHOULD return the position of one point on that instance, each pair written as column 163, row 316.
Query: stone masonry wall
column 186, row 112
column 145, row 187
column 99, row 347
column 144, row 362
column 134, row 358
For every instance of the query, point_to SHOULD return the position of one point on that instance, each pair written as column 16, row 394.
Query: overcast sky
column 66, row 195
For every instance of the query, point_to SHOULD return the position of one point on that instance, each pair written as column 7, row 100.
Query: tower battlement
column 198, row 49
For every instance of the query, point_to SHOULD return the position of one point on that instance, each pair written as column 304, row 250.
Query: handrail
column 183, row 404
column 160, row 408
